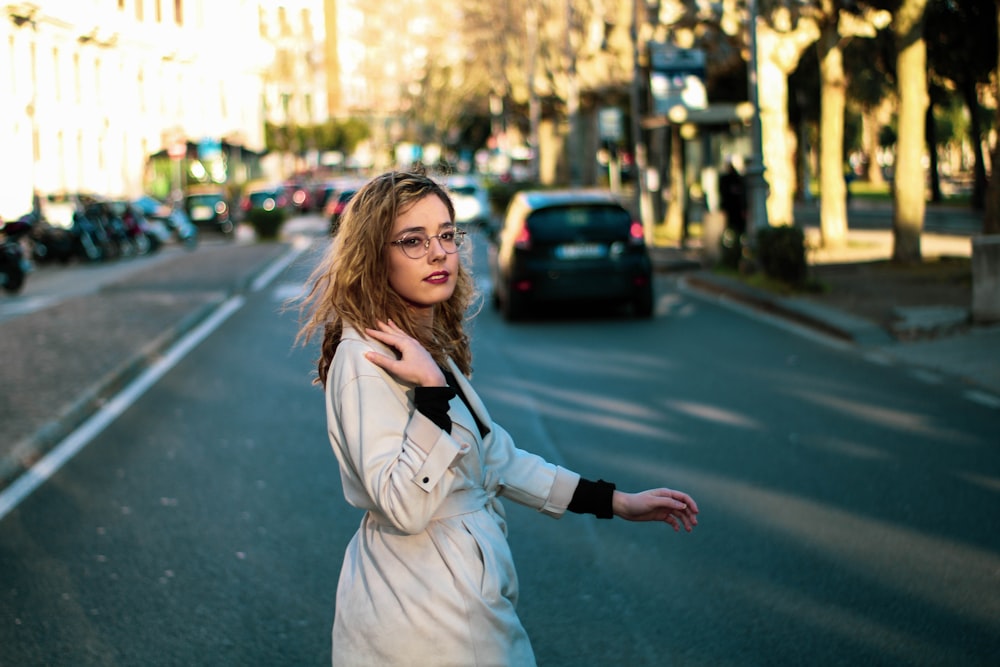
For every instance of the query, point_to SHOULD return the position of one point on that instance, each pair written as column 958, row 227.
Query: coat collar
column 477, row 405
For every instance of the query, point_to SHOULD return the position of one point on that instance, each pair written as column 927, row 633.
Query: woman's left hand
column 415, row 364
column 674, row 507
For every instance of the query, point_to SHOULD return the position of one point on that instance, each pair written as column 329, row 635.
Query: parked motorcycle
column 145, row 235
column 14, row 266
column 173, row 217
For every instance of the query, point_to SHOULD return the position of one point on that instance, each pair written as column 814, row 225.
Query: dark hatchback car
column 577, row 246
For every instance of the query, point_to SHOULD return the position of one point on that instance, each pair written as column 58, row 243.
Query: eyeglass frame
column 458, row 240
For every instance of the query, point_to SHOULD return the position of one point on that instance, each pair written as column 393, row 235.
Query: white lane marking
column 981, row 397
column 47, row 466
column 299, row 245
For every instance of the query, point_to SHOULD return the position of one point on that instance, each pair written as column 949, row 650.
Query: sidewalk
column 950, row 347
column 63, row 362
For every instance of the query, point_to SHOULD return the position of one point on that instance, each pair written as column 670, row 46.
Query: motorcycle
column 172, row 216
column 14, row 266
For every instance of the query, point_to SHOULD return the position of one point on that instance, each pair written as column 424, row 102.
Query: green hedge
column 781, row 254
column 267, row 224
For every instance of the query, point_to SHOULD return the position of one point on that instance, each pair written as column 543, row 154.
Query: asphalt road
column 849, row 510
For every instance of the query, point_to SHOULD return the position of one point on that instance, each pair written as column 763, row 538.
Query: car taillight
column 636, row 234
column 523, row 239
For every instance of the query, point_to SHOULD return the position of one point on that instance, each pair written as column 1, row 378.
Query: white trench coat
column 428, row 579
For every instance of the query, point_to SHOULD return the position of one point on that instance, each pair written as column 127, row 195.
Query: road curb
column 835, row 323
column 32, row 448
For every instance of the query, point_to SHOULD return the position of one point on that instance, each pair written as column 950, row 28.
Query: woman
column 428, row 578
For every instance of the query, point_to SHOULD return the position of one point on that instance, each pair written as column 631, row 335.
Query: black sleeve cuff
column 593, row 498
column 432, row 402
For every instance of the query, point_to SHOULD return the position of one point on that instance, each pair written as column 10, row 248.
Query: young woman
column 428, row 579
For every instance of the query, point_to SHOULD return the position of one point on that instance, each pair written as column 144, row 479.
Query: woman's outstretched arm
column 674, row 507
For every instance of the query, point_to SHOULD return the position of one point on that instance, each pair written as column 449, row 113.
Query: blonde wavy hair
column 350, row 285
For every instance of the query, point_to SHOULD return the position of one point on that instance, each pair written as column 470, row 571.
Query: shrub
column 267, row 224
column 781, row 254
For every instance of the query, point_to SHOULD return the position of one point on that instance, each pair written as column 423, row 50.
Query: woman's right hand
column 415, row 364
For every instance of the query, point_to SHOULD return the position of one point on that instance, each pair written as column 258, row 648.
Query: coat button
column 426, row 479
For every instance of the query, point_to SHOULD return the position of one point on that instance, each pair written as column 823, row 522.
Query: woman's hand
column 415, row 364
column 667, row 505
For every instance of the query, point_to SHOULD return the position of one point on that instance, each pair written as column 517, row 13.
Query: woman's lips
column 438, row 277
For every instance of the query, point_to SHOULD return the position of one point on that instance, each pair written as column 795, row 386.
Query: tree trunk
column 976, row 139
column 908, row 186
column 677, row 202
column 778, row 56
column 933, row 169
column 833, row 192
column 991, row 217
column 871, row 123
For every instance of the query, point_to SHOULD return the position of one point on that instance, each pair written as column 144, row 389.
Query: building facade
column 93, row 88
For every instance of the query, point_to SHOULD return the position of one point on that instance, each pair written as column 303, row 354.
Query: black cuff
column 432, row 402
column 593, row 498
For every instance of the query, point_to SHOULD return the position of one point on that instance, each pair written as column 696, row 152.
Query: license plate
column 581, row 251
column 201, row 212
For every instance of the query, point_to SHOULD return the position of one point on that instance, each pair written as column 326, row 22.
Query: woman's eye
column 448, row 236
column 411, row 241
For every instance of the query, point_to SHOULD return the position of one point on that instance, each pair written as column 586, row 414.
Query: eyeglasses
column 417, row 244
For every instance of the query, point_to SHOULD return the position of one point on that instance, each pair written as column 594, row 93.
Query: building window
column 138, row 9
column 121, row 5
column 159, row 11
column 179, row 12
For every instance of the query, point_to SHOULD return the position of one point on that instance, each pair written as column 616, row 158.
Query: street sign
column 676, row 78
column 609, row 124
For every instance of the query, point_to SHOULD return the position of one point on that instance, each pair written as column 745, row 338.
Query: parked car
column 336, row 204
column 208, row 208
column 577, row 246
column 263, row 197
column 471, row 200
column 300, row 196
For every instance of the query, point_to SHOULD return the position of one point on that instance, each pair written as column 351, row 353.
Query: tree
column 962, row 50
column 908, row 187
column 782, row 36
column 838, row 23
column 991, row 218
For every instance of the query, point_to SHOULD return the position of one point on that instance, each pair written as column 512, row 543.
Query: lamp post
column 756, row 183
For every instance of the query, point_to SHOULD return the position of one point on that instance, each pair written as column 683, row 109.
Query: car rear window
column 203, row 200
column 598, row 222
column 467, row 190
column 258, row 198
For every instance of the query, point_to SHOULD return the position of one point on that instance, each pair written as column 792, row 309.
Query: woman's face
column 430, row 279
